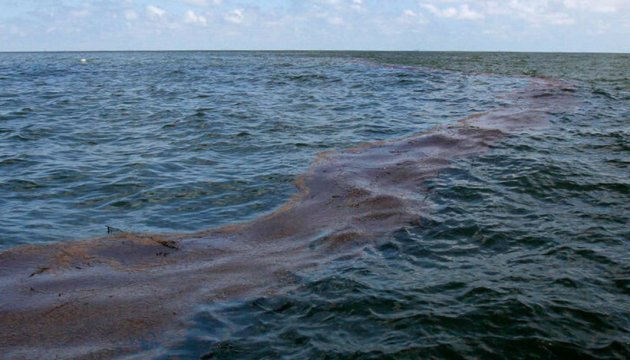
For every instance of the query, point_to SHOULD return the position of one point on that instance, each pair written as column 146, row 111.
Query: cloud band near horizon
column 468, row 25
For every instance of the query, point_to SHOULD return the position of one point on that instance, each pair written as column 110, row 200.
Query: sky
column 425, row 25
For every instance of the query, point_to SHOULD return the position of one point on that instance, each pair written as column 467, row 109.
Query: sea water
column 522, row 254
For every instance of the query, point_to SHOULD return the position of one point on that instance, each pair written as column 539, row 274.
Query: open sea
column 520, row 250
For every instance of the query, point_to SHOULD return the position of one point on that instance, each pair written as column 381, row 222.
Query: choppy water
column 523, row 254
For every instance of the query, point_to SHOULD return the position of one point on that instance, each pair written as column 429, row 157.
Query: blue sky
column 468, row 25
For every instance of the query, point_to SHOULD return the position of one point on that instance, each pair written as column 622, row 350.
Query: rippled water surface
column 169, row 142
column 523, row 254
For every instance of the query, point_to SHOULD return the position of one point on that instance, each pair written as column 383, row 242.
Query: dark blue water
column 175, row 142
column 524, row 254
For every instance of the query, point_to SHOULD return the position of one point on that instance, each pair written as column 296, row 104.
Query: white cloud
column 235, row 16
column 357, row 5
column 328, row 2
column 559, row 19
column 336, row 20
column 191, row 18
column 80, row 13
column 202, row 3
column 547, row 25
column 535, row 12
column 14, row 30
column 462, row 13
column 155, row 11
column 447, row 13
column 410, row 17
column 465, row 13
column 131, row 15
column 409, row 13
column 603, row 6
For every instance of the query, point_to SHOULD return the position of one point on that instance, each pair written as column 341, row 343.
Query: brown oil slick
column 124, row 294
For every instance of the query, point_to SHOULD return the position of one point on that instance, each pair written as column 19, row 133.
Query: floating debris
column 113, row 230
